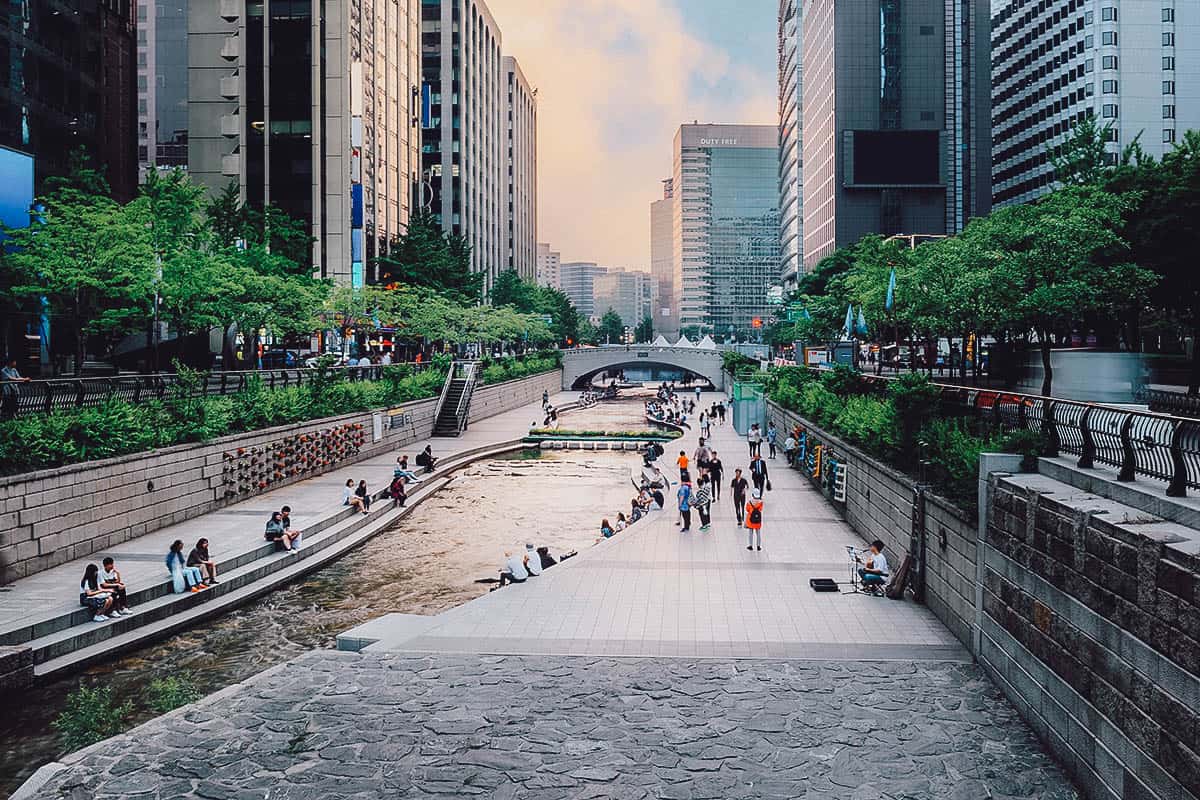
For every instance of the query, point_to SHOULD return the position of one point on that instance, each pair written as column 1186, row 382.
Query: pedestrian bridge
column 582, row 364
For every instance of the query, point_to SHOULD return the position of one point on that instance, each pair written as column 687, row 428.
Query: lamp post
column 154, row 335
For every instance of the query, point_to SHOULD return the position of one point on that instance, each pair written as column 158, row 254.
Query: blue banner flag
column 861, row 326
column 848, row 325
column 891, row 295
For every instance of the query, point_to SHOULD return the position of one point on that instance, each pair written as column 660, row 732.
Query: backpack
column 756, row 515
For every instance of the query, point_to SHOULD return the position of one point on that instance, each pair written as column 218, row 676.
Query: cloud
column 615, row 79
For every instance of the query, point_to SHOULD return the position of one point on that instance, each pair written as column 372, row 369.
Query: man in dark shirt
column 739, row 485
column 200, row 559
column 758, row 471
column 715, row 470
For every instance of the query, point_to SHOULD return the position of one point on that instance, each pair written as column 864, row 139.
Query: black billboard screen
column 896, row 158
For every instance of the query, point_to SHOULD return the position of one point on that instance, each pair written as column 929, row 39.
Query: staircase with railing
column 455, row 405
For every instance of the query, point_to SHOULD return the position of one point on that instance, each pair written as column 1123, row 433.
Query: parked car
column 337, row 360
column 280, row 359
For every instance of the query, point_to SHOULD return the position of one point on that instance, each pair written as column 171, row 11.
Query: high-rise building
column 548, row 264
column 895, row 100
column 162, row 85
column 314, row 113
column 577, row 279
column 1131, row 64
column 627, row 292
column 726, row 226
column 521, row 105
column 68, row 72
column 662, row 262
column 791, row 165
column 465, row 145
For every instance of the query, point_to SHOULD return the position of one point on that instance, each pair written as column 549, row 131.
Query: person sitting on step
column 183, row 577
column 874, row 571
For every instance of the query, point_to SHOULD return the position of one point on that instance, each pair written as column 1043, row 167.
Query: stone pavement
column 239, row 527
column 332, row 725
column 654, row 591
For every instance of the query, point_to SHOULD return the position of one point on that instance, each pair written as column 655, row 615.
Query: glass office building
column 726, row 227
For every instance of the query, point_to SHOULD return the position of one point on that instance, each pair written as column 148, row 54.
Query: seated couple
column 188, row 574
column 280, row 531
column 103, row 592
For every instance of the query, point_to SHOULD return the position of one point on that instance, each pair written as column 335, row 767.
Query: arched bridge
column 582, row 364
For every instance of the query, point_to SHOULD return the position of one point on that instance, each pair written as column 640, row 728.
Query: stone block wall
column 1092, row 625
column 53, row 516
column 879, row 503
column 489, row 400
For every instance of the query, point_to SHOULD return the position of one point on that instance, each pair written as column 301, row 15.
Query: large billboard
column 894, row 158
column 16, row 187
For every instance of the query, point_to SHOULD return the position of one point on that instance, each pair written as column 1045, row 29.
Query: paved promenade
column 655, row 665
column 239, row 527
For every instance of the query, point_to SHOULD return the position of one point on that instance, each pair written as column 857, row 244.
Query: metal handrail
column 1135, row 443
column 43, row 396
column 445, row 389
column 470, row 370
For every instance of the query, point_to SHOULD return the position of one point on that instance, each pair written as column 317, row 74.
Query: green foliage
column 952, row 448
column 732, row 361
column 168, row 694
column 644, row 332
column 612, row 328
column 844, row 380
column 509, row 369
column 90, row 715
column 915, row 400
column 425, row 256
column 1028, row 444
column 819, row 404
column 871, row 422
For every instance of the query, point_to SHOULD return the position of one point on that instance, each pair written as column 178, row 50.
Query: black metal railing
column 1132, row 442
column 45, row 396
column 1165, row 402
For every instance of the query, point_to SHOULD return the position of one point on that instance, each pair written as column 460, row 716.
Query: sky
column 615, row 79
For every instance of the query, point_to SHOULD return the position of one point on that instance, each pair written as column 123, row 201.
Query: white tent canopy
column 661, row 341
column 684, row 342
column 706, row 343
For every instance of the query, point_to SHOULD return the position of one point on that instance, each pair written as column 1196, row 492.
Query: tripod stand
column 852, row 562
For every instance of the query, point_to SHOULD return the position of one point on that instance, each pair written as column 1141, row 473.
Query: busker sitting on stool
column 874, row 572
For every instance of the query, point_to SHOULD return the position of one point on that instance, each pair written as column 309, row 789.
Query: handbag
column 768, row 485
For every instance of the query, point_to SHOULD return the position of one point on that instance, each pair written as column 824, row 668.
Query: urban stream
column 428, row 562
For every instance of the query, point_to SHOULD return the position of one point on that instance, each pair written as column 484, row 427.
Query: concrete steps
column 68, row 641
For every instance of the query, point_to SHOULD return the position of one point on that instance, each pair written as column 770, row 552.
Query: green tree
column 612, row 327
column 588, row 333
column 510, row 289
column 87, row 256
column 426, row 256
column 644, row 333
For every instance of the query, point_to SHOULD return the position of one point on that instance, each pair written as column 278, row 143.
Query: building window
column 1109, row 111
column 1089, row 65
column 927, row 30
column 1112, row 135
column 1169, row 112
column 1108, row 62
column 1108, row 14
column 1168, row 15
column 1089, row 17
column 1168, row 87
column 1109, row 87
column 1169, row 63
column 1168, row 39
column 1108, row 37
column 1089, row 42
column 1168, row 135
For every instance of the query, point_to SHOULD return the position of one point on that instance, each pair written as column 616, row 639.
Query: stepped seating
column 65, row 638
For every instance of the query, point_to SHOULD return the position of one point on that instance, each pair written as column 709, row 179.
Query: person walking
column 754, row 520
column 702, row 501
column 721, row 411
column 758, row 472
column 697, row 393
column 772, row 435
column 684, row 496
column 754, row 438
column 715, row 470
column 739, row 485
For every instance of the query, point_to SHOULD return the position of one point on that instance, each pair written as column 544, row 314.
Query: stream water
column 428, row 562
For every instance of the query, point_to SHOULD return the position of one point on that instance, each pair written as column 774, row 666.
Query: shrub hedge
column 901, row 424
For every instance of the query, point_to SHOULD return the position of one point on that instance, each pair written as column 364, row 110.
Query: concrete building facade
column 627, row 292
column 726, row 246
column 521, row 169
column 549, row 262
column 662, row 262
column 465, row 143
column 895, row 100
column 162, row 85
column 1133, row 65
column 577, row 280
column 314, row 113
column 791, row 215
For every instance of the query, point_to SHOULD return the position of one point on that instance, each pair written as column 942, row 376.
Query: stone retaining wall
column 1092, row 626
column 53, row 516
column 879, row 503
column 1084, row 611
column 492, row 399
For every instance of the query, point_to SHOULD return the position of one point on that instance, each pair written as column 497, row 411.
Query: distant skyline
column 615, row 79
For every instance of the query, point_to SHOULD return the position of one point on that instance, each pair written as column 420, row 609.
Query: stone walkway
column 654, row 591
column 330, row 725
column 239, row 527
